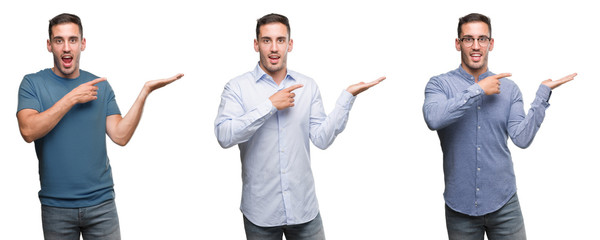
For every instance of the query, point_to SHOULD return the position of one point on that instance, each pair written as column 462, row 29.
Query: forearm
column 231, row 130
column 123, row 128
column 34, row 125
column 440, row 111
column 522, row 129
column 325, row 128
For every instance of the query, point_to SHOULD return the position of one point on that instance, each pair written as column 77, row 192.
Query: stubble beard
column 474, row 67
column 64, row 71
column 271, row 69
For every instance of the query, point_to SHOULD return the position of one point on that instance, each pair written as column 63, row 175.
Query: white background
column 381, row 179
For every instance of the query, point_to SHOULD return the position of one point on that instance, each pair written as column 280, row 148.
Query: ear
column 491, row 46
column 255, row 45
column 48, row 45
column 83, row 44
column 290, row 45
column 457, row 44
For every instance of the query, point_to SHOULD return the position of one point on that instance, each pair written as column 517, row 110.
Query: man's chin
column 67, row 72
column 274, row 68
column 476, row 66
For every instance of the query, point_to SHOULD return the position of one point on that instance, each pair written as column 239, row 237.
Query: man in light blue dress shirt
column 271, row 113
column 474, row 112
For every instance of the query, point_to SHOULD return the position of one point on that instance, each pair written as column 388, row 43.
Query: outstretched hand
column 556, row 83
column 156, row 84
column 355, row 89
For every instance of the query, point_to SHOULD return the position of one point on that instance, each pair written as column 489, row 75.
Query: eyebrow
column 470, row 36
column 269, row 38
column 61, row 37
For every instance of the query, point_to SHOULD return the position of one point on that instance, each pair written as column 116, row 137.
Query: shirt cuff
column 475, row 90
column 346, row 100
column 544, row 92
column 266, row 108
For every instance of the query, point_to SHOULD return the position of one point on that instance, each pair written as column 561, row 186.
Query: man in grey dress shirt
column 474, row 111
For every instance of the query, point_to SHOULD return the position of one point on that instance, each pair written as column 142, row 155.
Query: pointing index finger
column 294, row 87
column 503, row 75
column 96, row 81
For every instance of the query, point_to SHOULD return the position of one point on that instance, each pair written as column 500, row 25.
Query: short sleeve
column 111, row 103
column 28, row 97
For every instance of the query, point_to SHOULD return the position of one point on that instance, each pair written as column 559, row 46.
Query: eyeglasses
column 468, row 41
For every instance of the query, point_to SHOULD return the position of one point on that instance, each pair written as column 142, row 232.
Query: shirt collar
column 259, row 74
column 470, row 77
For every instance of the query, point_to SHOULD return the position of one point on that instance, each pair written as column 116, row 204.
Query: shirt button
column 478, row 149
column 478, row 107
column 478, row 127
column 478, row 169
column 478, row 189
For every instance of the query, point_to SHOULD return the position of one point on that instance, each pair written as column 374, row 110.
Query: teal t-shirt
column 73, row 164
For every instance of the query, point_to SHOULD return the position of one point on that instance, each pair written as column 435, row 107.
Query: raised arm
column 325, row 128
column 121, row 129
column 34, row 125
column 523, row 128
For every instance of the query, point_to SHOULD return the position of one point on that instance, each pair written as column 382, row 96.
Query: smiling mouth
column 476, row 57
column 274, row 59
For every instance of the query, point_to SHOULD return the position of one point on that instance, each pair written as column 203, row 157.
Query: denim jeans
column 504, row 224
column 312, row 230
column 95, row 222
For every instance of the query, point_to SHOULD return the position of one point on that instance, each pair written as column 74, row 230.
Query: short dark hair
column 65, row 18
column 474, row 17
column 272, row 18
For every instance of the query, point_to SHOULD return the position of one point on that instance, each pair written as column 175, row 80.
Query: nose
column 274, row 48
column 476, row 44
column 67, row 47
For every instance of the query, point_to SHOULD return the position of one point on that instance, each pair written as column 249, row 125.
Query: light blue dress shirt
column 278, row 185
column 473, row 129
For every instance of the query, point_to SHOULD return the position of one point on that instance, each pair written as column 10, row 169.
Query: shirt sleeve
column 28, row 98
column 325, row 128
column 522, row 128
column 440, row 111
column 234, row 124
column 111, row 103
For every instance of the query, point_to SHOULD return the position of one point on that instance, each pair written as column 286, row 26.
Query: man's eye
column 468, row 39
column 482, row 39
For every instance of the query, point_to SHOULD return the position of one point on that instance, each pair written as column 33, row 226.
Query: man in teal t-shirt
column 68, row 112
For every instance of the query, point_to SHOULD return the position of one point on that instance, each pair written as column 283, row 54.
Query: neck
column 474, row 72
column 73, row 75
column 277, row 76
